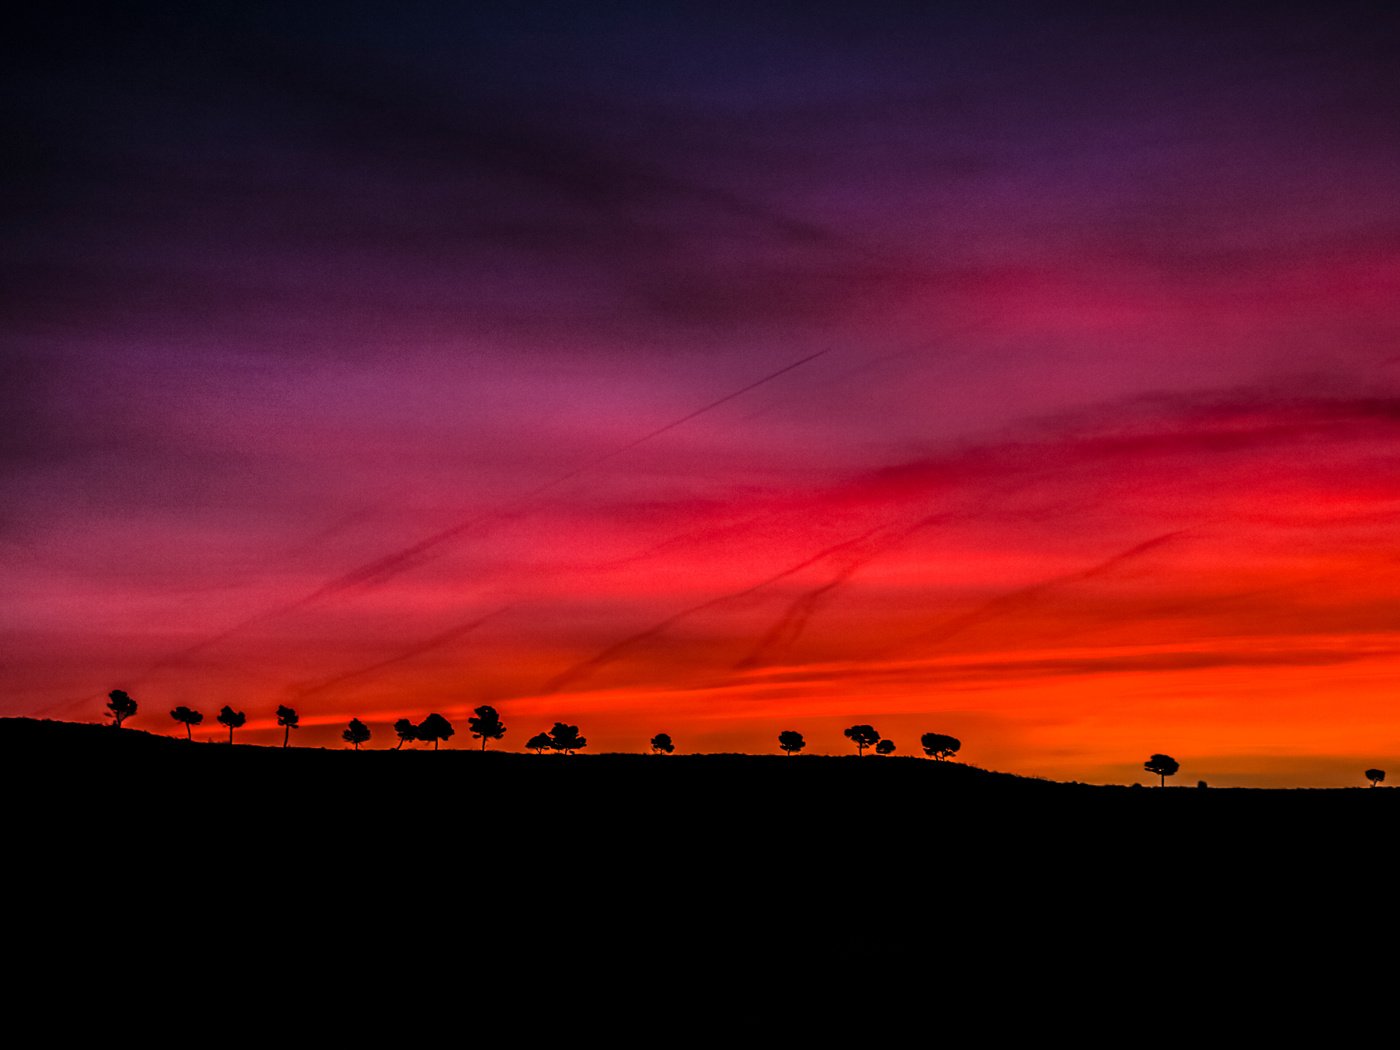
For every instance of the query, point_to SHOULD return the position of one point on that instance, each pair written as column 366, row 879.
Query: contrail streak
column 1013, row 600
column 391, row 564
column 618, row 649
column 437, row 641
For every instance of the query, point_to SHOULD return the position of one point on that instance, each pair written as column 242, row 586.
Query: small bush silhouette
column 407, row 731
column 790, row 740
column 863, row 737
column 120, row 707
column 231, row 718
column 940, row 745
column 434, row 728
column 486, row 724
column 539, row 743
column 565, row 738
column 1375, row 776
column 661, row 744
column 355, row 733
column 287, row 719
column 1162, row 765
column 187, row 718
column 885, row 747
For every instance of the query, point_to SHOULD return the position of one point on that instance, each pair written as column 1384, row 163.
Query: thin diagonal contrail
column 391, row 564
column 617, row 649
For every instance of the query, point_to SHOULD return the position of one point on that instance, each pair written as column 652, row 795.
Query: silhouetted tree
column 539, row 743
column 661, row 744
column 566, row 739
column 434, row 728
column 885, row 747
column 790, row 740
column 1163, row 765
column 355, row 733
column 1375, row 776
column 408, row 732
column 486, row 725
column 231, row 718
column 188, row 718
column 287, row 719
column 862, row 737
column 120, row 706
column 940, row 745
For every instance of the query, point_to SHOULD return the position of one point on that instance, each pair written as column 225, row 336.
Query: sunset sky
column 342, row 353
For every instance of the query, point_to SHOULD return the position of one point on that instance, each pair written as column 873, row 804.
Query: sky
column 1024, row 372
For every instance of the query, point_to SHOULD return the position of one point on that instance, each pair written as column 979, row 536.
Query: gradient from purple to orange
column 1100, row 460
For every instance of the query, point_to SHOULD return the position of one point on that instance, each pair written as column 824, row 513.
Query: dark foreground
column 554, row 841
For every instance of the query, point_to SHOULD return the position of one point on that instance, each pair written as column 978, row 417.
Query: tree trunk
column 400, row 744
column 286, row 735
column 230, row 735
column 1163, row 782
column 483, row 743
column 187, row 732
column 435, row 743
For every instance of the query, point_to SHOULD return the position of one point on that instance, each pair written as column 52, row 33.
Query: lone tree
column 539, row 743
column 231, row 718
column 1375, row 776
column 1163, row 765
column 790, row 740
column 187, row 717
column 939, row 745
column 287, row 719
column 434, row 728
column 661, row 744
column 862, row 737
column 355, row 733
column 565, row 738
column 885, row 747
column 120, row 707
column 486, row 725
column 408, row 732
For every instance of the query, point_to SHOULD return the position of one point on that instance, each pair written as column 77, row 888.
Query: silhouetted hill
column 767, row 834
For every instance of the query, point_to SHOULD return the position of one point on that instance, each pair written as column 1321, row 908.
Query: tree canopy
column 862, row 736
column 885, row 747
column 539, row 743
column 939, row 745
column 661, row 744
column 790, row 740
column 434, row 728
column 355, row 733
column 120, row 707
column 486, row 724
column 406, row 730
column 1375, row 776
column 231, row 718
column 565, row 738
column 288, row 719
column 1162, row 765
column 187, row 717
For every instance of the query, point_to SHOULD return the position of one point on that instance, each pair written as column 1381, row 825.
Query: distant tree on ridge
column 407, row 731
column 486, row 724
column 434, row 728
column 355, row 733
column 565, row 738
column 188, row 718
column 939, row 745
column 120, row 707
column 231, row 718
column 790, row 740
column 539, row 743
column 885, row 747
column 287, row 719
column 862, row 736
column 661, row 744
column 1162, row 765
column 1375, row 776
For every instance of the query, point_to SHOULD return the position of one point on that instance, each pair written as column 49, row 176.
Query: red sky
column 331, row 351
